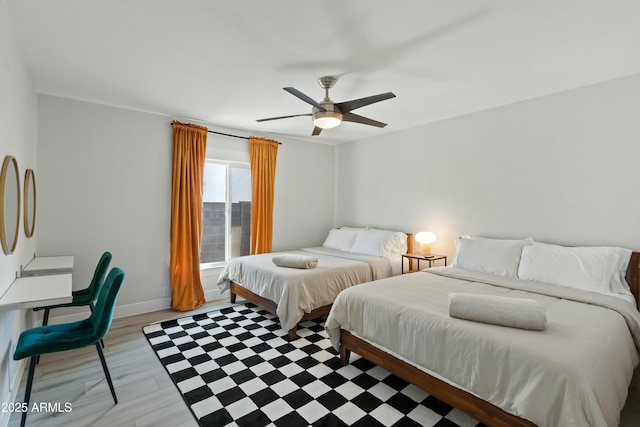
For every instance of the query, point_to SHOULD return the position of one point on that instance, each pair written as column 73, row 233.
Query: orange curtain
column 189, row 149
column 262, row 155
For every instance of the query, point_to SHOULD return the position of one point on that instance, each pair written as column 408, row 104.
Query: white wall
column 561, row 168
column 18, row 139
column 104, row 183
column 304, row 203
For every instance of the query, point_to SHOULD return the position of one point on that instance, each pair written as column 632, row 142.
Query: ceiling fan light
column 327, row 119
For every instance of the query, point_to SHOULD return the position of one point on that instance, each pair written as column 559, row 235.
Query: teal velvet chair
column 84, row 296
column 70, row 336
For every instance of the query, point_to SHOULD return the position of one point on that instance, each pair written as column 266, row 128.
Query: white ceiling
column 226, row 62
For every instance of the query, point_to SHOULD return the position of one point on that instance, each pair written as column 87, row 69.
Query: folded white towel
column 512, row 312
column 295, row 261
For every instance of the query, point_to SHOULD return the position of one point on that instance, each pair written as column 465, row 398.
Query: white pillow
column 494, row 256
column 618, row 284
column 594, row 269
column 383, row 243
column 340, row 238
column 398, row 244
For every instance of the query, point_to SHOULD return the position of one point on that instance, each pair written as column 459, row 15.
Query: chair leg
column 45, row 322
column 91, row 307
column 27, row 392
column 106, row 373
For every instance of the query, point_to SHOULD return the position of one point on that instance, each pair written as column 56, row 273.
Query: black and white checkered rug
column 234, row 367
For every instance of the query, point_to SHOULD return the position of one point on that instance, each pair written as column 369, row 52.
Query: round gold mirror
column 29, row 218
column 9, row 204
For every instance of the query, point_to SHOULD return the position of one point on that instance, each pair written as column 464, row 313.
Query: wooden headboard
column 634, row 276
column 409, row 242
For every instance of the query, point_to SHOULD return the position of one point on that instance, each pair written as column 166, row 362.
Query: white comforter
column 299, row 291
column 575, row 373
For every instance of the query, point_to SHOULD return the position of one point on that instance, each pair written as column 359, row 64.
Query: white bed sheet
column 299, row 291
column 575, row 373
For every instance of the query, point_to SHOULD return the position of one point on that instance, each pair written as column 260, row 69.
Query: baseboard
column 14, row 387
column 134, row 309
column 4, row 419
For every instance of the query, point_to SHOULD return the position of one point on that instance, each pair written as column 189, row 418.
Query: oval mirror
column 29, row 218
column 9, row 204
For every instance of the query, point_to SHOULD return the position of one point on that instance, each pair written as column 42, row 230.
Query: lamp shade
column 327, row 119
column 425, row 238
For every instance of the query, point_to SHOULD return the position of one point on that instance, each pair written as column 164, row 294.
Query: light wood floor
column 146, row 395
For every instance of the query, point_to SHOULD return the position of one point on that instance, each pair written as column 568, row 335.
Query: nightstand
column 421, row 257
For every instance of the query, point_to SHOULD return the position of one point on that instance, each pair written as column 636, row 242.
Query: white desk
column 44, row 265
column 37, row 291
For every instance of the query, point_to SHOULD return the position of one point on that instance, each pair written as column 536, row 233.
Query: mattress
column 575, row 372
column 299, row 291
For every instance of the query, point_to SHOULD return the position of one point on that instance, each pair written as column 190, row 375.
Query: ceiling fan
column 328, row 114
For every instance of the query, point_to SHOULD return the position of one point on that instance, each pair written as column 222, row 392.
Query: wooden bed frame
column 236, row 289
column 472, row 405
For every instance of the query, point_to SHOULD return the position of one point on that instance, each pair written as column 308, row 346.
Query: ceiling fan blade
column 347, row 106
column 316, row 131
column 354, row 118
column 295, row 92
column 282, row 117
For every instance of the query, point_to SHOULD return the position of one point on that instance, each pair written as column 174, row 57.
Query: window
column 226, row 212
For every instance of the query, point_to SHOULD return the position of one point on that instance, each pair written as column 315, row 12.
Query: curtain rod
column 227, row 134
column 233, row 136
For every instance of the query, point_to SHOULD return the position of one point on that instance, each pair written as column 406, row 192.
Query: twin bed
column 575, row 372
column 348, row 257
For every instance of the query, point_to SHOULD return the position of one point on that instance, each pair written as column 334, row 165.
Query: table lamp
column 425, row 238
